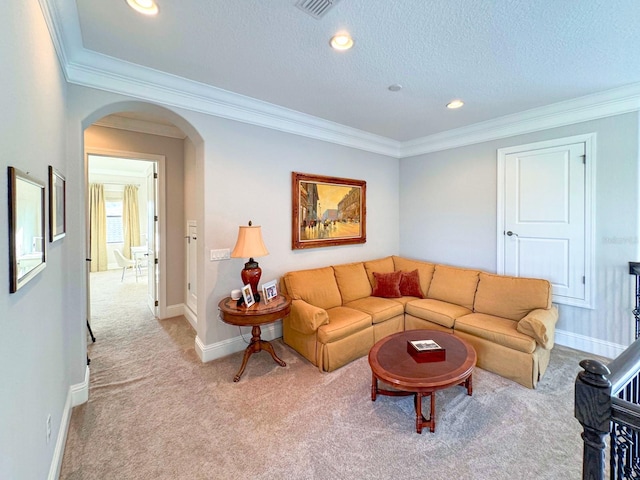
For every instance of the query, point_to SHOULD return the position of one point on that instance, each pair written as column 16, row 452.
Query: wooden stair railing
column 607, row 401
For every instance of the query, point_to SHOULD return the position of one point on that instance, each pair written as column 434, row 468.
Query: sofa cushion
column 511, row 297
column 410, row 284
column 343, row 321
column 380, row 309
column 352, row 281
column 425, row 270
column 316, row 286
column 386, row 285
column 454, row 285
column 436, row 311
column 497, row 330
column 384, row 265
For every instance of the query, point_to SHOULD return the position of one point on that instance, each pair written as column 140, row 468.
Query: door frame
column 189, row 313
column 160, row 208
column 589, row 140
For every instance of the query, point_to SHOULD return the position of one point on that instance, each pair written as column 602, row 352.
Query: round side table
column 258, row 314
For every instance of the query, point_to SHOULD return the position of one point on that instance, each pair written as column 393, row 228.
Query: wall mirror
column 26, row 228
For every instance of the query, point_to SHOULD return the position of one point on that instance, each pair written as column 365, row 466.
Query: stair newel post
column 593, row 411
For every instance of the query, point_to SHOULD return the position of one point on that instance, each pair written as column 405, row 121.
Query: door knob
column 510, row 233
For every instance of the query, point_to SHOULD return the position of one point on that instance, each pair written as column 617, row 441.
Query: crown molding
column 591, row 107
column 106, row 73
column 94, row 70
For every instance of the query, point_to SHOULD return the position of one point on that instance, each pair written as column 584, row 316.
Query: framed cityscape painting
column 327, row 211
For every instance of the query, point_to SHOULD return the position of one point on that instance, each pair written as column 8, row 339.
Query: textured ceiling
column 499, row 56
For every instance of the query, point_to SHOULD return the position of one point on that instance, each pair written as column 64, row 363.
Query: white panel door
column 192, row 267
column 544, row 223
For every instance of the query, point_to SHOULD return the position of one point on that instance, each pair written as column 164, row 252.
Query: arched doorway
column 123, row 129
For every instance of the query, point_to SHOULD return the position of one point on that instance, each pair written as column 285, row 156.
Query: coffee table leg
column 420, row 420
column 432, row 416
column 374, row 387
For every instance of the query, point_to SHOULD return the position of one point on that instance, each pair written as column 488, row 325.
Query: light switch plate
column 220, row 254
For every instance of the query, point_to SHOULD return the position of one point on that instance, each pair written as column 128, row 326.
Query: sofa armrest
column 307, row 318
column 540, row 324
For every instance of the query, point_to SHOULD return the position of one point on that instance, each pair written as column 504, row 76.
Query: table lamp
column 250, row 244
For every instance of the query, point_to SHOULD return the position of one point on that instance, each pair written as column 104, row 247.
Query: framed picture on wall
column 57, row 205
column 327, row 211
column 26, row 228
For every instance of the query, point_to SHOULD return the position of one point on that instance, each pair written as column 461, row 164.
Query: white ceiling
column 499, row 56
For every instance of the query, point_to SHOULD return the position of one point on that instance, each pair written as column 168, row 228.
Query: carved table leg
column 264, row 345
column 420, row 420
column 468, row 384
column 256, row 346
column 374, row 387
column 432, row 416
column 247, row 353
column 418, row 401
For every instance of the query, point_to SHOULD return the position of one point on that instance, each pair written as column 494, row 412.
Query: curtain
column 130, row 219
column 97, row 228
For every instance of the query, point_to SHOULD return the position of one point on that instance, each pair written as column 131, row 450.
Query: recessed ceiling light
column 148, row 7
column 341, row 41
column 455, row 104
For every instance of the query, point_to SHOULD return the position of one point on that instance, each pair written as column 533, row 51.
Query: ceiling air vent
column 316, row 8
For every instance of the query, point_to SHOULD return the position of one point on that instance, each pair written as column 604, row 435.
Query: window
column 114, row 221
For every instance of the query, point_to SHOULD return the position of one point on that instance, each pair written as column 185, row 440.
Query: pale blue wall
column 36, row 323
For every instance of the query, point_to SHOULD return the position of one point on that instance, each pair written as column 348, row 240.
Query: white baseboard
column 182, row 310
column 192, row 317
column 221, row 349
column 174, row 311
column 589, row 344
column 77, row 395
column 80, row 391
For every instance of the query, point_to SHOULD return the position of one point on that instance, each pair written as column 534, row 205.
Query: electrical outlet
column 48, row 428
column 220, row 254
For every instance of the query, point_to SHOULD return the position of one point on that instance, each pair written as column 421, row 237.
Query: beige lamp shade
column 249, row 243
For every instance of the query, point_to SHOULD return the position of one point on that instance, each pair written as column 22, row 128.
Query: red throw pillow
column 410, row 284
column 387, row 285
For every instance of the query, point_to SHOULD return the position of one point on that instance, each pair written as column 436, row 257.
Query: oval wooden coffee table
column 392, row 364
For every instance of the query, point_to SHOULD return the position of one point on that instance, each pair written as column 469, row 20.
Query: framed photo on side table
column 269, row 291
column 247, row 295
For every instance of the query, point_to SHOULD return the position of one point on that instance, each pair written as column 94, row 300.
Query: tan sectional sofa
column 336, row 318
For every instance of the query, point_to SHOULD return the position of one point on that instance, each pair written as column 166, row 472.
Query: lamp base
column 251, row 274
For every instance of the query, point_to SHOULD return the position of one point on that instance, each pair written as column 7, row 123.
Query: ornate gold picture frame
column 327, row 211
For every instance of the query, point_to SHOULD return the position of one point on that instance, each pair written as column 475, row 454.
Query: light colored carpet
column 156, row 412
